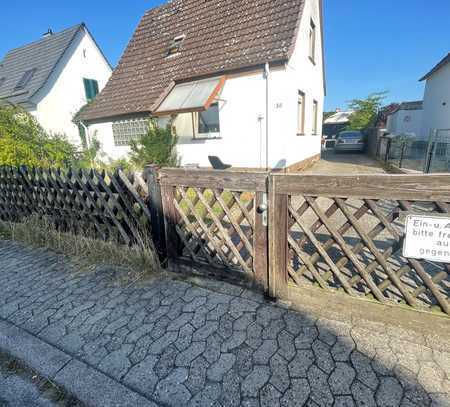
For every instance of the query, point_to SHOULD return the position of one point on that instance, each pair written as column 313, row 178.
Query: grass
column 41, row 233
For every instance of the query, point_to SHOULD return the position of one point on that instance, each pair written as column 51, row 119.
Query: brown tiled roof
column 220, row 35
column 443, row 62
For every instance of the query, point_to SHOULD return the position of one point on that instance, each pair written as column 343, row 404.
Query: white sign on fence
column 428, row 238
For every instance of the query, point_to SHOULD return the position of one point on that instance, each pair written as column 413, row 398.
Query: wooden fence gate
column 339, row 233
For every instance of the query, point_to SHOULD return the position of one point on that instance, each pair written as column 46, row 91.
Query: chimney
column 49, row 33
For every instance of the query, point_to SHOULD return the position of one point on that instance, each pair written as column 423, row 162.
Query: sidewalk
column 176, row 343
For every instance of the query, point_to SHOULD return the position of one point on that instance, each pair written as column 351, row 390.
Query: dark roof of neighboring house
column 220, row 36
column 444, row 61
column 42, row 56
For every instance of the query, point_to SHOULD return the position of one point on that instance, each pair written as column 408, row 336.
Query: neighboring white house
column 436, row 103
column 52, row 78
column 240, row 80
column 336, row 123
column 406, row 119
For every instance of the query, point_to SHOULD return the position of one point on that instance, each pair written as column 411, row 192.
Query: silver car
column 350, row 141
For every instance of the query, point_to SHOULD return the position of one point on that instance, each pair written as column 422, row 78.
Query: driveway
column 345, row 163
column 174, row 343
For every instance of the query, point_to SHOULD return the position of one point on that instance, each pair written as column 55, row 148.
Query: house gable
column 212, row 37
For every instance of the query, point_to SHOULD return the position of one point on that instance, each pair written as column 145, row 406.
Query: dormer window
column 175, row 45
column 26, row 78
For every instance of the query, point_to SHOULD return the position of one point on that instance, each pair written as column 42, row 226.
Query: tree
column 156, row 147
column 365, row 111
column 24, row 142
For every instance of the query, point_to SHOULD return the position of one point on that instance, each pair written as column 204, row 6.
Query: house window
column 301, row 113
column 312, row 41
column 90, row 89
column 2, row 81
column 315, row 117
column 125, row 131
column 208, row 122
column 26, row 78
column 175, row 45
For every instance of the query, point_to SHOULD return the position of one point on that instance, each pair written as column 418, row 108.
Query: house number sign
column 428, row 238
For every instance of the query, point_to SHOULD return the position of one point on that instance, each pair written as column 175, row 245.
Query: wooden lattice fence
column 212, row 222
column 105, row 205
column 347, row 232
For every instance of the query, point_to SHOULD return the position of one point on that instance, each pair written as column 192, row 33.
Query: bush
column 156, row 147
column 24, row 142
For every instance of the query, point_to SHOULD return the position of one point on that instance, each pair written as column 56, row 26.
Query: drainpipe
column 267, row 78
column 86, row 131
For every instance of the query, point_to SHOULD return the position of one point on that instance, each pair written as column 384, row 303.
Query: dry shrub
column 41, row 232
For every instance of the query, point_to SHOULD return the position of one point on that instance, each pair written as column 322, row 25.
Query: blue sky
column 369, row 46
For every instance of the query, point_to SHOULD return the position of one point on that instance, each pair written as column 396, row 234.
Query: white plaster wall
column 242, row 115
column 405, row 122
column 63, row 94
column 437, row 102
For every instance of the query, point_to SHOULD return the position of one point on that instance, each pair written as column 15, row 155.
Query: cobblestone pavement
column 182, row 344
column 20, row 386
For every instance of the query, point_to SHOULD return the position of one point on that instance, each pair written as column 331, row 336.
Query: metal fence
column 428, row 156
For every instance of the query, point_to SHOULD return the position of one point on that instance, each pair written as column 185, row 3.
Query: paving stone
column 197, row 375
column 234, row 341
column 280, row 374
column 162, row 343
column 263, row 354
column 344, row 401
column 269, row 396
column 342, row 349
column 364, row 370
column 207, row 396
column 231, row 395
column 306, row 337
column 142, row 376
column 171, row 391
column 323, row 356
column 221, row 367
column 302, row 361
column 187, row 356
column 244, row 361
column 363, row 395
column 390, row 392
column 205, row 331
column 297, row 394
column 255, row 381
column 116, row 363
column 320, row 391
column 341, row 379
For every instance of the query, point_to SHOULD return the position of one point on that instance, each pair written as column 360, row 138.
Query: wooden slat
column 376, row 186
column 199, row 178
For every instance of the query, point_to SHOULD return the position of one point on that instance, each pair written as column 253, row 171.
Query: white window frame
column 301, row 105
column 312, row 41
column 315, row 128
column 205, row 136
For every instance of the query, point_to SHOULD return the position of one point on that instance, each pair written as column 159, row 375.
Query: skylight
column 26, row 78
column 175, row 45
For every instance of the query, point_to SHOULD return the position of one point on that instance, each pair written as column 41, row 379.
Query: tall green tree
column 365, row 111
column 155, row 147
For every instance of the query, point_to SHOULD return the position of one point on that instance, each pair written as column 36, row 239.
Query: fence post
column 156, row 210
column 278, row 241
column 171, row 218
column 402, row 154
column 261, row 249
column 388, row 149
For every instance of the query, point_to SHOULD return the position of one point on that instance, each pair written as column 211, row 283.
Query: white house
column 406, row 119
column 436, row 103
column 240, row 80
column 52, row 78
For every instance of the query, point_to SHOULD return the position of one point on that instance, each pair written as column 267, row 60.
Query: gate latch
column 262, row 210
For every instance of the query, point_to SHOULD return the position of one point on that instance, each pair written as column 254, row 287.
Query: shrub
column 156, row 147
column 24, row 142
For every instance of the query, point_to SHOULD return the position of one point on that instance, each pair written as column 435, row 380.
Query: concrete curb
column 79, row 379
